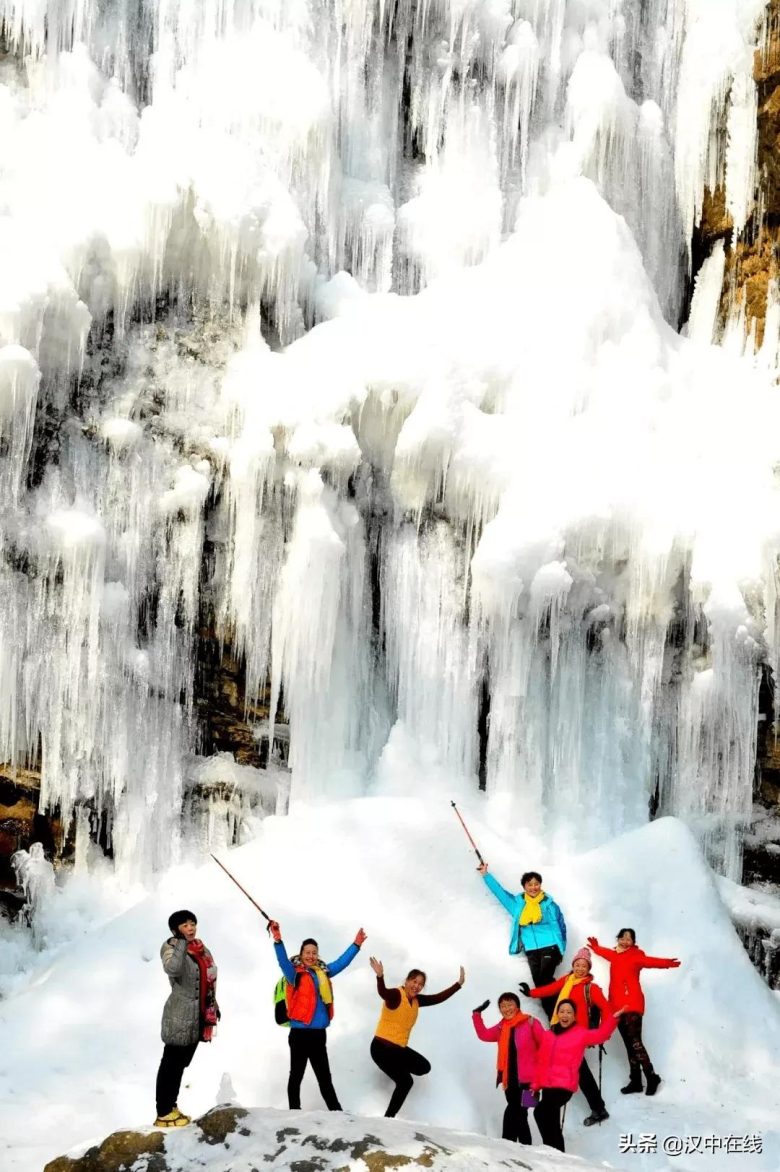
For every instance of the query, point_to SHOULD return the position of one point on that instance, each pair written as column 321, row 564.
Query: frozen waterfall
column 355, row 323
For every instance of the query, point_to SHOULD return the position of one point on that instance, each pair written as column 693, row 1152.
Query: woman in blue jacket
column 310, row 1010
column 538, row 927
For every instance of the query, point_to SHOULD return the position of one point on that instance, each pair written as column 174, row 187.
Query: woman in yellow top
column 389, row 1048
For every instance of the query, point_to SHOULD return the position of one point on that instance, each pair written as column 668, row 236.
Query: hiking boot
column 596, row 1117
column 633, row 1086
column 174, row 1118
column 653, row 1083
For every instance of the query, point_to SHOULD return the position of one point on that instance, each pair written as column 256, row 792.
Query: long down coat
column 560, row 1055
column 181, row 1013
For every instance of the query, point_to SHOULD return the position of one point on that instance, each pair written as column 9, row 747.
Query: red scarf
column 507, row 1025
column 209, row 1010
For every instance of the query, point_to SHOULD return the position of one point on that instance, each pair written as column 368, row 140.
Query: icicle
column 35, row 875
column 19, row 379
column 702, row 324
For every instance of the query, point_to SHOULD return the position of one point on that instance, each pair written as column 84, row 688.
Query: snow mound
column 312, row 1141
column 81, row 1043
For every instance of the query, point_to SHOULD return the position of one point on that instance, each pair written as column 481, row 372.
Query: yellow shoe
column 174, row 1118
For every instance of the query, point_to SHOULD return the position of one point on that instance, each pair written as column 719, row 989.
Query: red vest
column 302, row 996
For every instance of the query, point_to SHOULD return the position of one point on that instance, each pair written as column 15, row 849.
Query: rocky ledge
column 264, row 1140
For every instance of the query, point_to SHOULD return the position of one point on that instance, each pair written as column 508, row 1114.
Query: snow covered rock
column 309, row 1141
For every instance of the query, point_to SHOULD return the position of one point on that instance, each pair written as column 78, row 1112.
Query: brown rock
column 766, row 60
column 716, row 221
column 751, row 262
column 767, row 150
column 750, row 266
column 220, row 1122
column 226, row 713
column 19, row 790
column 118, row 1153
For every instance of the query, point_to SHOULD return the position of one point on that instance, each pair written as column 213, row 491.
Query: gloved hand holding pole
column 468, row 836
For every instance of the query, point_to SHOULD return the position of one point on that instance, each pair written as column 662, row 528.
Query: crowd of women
column 538, row 1068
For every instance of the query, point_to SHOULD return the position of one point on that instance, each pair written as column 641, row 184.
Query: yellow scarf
column 568, row 985
column 531, row 913
column 326, row 992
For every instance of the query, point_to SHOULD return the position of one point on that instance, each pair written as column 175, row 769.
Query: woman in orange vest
column 390, row 1047
column 310, row 1010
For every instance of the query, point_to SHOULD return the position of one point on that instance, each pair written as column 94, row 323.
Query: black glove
column 525, row 988
column 481, row 1007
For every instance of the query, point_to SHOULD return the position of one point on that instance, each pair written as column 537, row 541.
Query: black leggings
column 174, row 1061
column 543, row 962
column 630, row 1027
column 516, row 1126
column 590, row 1088
column 548, row 1116
column 399, row 1063
column 310, row 1045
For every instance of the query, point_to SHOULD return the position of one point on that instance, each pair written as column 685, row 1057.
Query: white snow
column 81, row 1041
column 284, row 1139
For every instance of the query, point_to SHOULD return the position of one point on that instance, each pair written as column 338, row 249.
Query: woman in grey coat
column 190, row 1013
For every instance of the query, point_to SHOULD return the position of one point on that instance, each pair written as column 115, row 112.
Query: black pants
column 548, row 1116
column 310, row 1046
column 590, row 1088
column 516, row 1126
column 543, row 962
column 399, row 1063
column 174, row 1061
column 630, row 1027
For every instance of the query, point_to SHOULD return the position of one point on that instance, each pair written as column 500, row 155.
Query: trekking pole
column 468, row 836
column 601, row 1059
column 246, row 893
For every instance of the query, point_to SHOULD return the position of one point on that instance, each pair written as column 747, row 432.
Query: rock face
column 226, row 715
column 121, row 1150
column 752, row 260
column 20, row 822
column 752, row 264
column 246, row 1141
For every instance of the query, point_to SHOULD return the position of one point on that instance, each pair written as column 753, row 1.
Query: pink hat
column 583, row 954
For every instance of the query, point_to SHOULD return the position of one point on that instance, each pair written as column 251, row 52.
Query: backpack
column 280, row 1003
column 594, row 1013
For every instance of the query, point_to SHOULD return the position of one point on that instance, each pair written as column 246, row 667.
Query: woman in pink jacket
column 519, row 1037
column 556, row 1075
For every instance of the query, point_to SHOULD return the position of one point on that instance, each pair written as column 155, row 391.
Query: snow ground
column 284, row 1140
column 81, row 1040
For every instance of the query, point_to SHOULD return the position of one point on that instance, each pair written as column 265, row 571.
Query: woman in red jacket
column 519, row 1037
column 558, row 1066
column 625, row 964
column 579, row 987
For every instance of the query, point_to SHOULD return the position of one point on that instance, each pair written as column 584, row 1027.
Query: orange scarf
column 502, row 1064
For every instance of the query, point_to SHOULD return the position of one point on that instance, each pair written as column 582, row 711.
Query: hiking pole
column 468, row 836
column 246, row 893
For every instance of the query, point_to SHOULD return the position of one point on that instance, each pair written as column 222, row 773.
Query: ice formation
column 360, row 321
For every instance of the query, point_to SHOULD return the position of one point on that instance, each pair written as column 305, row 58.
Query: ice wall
column 376, row 303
